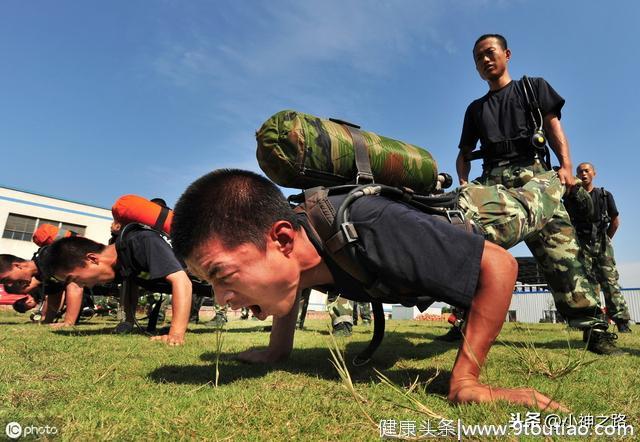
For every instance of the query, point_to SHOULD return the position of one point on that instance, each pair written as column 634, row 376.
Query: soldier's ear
column 282, row 234
column 91, row 258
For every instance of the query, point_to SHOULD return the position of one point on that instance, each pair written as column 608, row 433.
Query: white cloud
column 283, row 38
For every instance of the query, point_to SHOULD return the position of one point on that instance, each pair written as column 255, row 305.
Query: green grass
column 91, row 384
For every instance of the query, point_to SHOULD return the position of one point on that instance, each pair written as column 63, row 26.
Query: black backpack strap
column 606, row 218
column 534, row 109
column 162, row 217
column 361, row 151
column 378, row 334
column 321, row 215
column 126, row 267
column 530, row 97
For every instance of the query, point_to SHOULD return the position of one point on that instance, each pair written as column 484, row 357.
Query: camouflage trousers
column 601, row 264
column 524, row 203
column 340, row 309
column 196, row 305
column 363, row 310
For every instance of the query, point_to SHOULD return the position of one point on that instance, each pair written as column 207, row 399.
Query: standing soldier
column 513, row 122
column 594, row 236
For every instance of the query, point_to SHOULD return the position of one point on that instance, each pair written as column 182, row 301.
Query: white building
column 22, row 212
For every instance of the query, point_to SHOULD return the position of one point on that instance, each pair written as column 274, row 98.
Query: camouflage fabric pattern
column 508, row 216
column 340, row 309
column 362, row 309
column 557, row 252
column 601, row 263
column 302, row 151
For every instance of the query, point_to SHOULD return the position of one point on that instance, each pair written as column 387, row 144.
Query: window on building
column 21, row 227
column 79, row 230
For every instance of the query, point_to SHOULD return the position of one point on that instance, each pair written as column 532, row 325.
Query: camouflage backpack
column 302, row 151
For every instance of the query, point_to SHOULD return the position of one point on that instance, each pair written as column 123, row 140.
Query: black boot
column 342, row 329
column 601, row 342
column 623, row 326
column 453, row 335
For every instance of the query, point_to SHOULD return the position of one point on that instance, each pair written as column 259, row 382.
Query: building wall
column 530, row 306
column 632, row 296
column 97, row 220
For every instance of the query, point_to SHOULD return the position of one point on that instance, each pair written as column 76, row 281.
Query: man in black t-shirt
column 258, row 253
column 87, row 263
column 26, row 275
column 595, row 234
column 513, row 122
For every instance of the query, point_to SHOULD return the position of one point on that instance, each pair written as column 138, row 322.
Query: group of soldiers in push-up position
column 235, row 230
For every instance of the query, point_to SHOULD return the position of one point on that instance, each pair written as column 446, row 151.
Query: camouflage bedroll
column 301, row 151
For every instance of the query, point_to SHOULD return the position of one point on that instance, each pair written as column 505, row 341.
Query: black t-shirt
column 150, row 253
column 604, row 210
column 503, row 114
column 412, row 252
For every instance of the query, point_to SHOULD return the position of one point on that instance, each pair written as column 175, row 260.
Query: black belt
column 508, row 149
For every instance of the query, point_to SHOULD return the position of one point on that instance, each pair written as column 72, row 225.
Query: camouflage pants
column 340, row 309
column 362, row 309
column 601, row 263
column 507, row 216
column 196, row 305
column 528, row 207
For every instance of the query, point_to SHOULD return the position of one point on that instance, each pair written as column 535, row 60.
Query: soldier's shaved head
column 583, row 165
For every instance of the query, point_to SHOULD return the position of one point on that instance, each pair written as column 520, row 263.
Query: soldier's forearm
column 281, row 339
column 463, row 167
column 558, row 141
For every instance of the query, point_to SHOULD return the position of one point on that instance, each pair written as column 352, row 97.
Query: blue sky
column 100, row 99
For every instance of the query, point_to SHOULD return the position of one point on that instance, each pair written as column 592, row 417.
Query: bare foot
column 474, row 392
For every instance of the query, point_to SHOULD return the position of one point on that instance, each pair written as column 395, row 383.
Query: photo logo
column 13, row 430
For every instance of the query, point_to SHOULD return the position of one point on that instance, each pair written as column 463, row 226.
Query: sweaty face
column 266, row 281
column 89, row 274
column 490, row 58
column 586, row 174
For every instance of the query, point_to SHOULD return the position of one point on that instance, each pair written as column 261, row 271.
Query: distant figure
column 594, row 236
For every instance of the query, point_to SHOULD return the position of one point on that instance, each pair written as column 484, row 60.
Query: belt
column 507, row 152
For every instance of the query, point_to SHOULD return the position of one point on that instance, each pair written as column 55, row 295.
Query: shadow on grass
column 87, row 332
column 212, row 330
column 309, row 361
column 576, row 345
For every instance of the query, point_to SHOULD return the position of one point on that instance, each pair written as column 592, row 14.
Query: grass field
column 93, row 385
